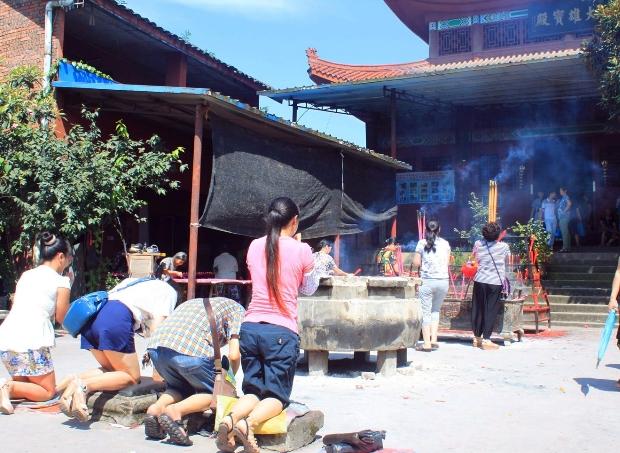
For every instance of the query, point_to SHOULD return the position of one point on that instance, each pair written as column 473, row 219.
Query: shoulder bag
column 82, row 310
column 220, row 385
column 504, row 282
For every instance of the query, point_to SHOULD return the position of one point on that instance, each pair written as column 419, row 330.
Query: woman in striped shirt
column 491, row 255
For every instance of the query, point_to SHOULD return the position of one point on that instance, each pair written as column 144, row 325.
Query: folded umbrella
column 606, row 335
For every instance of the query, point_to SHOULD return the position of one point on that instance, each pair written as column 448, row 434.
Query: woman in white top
column 433, row 258
column 27, row 334
column 110, row 338
column 491, row 254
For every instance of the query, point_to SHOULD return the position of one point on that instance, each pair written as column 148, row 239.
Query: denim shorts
column 269, row 356
column 182, row 373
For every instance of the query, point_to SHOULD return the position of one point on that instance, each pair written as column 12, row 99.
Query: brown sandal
column 225, row 440
column 247, row 439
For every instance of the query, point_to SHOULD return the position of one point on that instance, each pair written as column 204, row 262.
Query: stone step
column 596, row 257
column 576, row 284
column 579, row 308
column 581, row 268
column 592, row 325
column 598, row 276
column 586, row 318
column 577, row 291
column 571, row 300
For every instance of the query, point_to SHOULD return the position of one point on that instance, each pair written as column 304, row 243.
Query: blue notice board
column 425, row 187
column 560, row 17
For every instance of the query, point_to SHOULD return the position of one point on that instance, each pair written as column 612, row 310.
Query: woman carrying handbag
column 491, row 256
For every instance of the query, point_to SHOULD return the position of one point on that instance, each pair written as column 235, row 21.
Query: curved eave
column 324, row 71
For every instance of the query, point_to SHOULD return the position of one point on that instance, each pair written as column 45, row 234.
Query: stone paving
column 542, row 395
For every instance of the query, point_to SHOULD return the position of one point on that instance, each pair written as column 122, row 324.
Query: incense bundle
column 492, row 201
column 421, row 224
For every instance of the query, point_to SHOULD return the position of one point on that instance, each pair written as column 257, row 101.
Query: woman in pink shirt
column 281, row 266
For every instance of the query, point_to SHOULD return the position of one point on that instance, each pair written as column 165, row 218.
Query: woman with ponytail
column 27, row 334
column 281, row 267
column 432, row 256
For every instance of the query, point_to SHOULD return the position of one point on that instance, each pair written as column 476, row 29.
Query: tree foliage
column 603, row 55
column 72, row 185
column 479, row 217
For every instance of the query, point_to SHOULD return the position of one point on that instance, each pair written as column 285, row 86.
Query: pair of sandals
column 226, row 436
column 6, row 407
column 158, row 428
column 73, row 401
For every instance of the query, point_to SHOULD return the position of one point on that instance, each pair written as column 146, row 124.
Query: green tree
column 479, row 217
column 603, row 55
column 73, row 185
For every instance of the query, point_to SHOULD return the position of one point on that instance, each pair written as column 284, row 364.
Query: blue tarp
column 70, row 73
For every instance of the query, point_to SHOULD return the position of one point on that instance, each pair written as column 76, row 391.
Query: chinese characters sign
column 560, row 17
column 425, row 187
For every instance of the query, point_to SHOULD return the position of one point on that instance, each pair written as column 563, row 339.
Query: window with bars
column 509, row 34
column 457, row 40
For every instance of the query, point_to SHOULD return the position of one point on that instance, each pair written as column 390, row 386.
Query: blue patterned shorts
column 34, row 362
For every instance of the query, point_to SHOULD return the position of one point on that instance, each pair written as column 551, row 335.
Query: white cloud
column 246, row 6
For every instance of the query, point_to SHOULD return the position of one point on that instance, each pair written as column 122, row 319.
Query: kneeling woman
column 110, row 338
column 281, row 267
column 27, row 334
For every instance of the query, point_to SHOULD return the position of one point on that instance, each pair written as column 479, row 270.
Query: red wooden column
column 195, row 202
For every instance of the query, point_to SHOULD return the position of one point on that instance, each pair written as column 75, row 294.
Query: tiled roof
column 322, row 71
column 186, row 46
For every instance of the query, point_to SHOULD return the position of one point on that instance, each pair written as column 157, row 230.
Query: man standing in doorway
column 536, row 213
column 549, row 217
column 564, row 209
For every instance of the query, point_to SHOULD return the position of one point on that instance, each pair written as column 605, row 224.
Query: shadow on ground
column 605, row 385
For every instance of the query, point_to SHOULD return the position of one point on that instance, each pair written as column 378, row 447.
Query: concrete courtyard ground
column 542, row 395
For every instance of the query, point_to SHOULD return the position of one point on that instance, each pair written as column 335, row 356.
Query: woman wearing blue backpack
column 27, row 334
column 109, row 336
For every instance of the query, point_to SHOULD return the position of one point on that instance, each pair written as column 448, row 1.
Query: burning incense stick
column 492, row 201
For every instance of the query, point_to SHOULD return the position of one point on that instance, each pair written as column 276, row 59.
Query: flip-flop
column 175, row 430
column 434, row 346
column 423, row 349
column 152, row 428
column 223, row 441
column 246, row 438
column 79, row 408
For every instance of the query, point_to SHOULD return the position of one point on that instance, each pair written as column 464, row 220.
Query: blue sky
column 268, row 38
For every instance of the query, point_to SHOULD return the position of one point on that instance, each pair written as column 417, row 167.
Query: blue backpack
column 85, row 308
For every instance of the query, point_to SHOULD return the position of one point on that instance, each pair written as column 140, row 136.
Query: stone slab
column 318, row 363
column 126, row 407
column 301, row 432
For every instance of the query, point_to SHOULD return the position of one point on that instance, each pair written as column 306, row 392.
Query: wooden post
column 294, row 119
column 393, row 152
column 195, row 202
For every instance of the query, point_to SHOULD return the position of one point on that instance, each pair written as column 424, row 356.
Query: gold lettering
column 558, row 15
column 590, row 13
column 574, row 15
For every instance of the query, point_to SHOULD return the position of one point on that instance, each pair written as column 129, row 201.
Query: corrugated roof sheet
column 251, row 80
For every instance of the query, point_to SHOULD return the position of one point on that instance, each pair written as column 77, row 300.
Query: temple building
column 504, row 94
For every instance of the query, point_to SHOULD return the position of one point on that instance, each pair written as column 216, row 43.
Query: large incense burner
column 360, row 314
